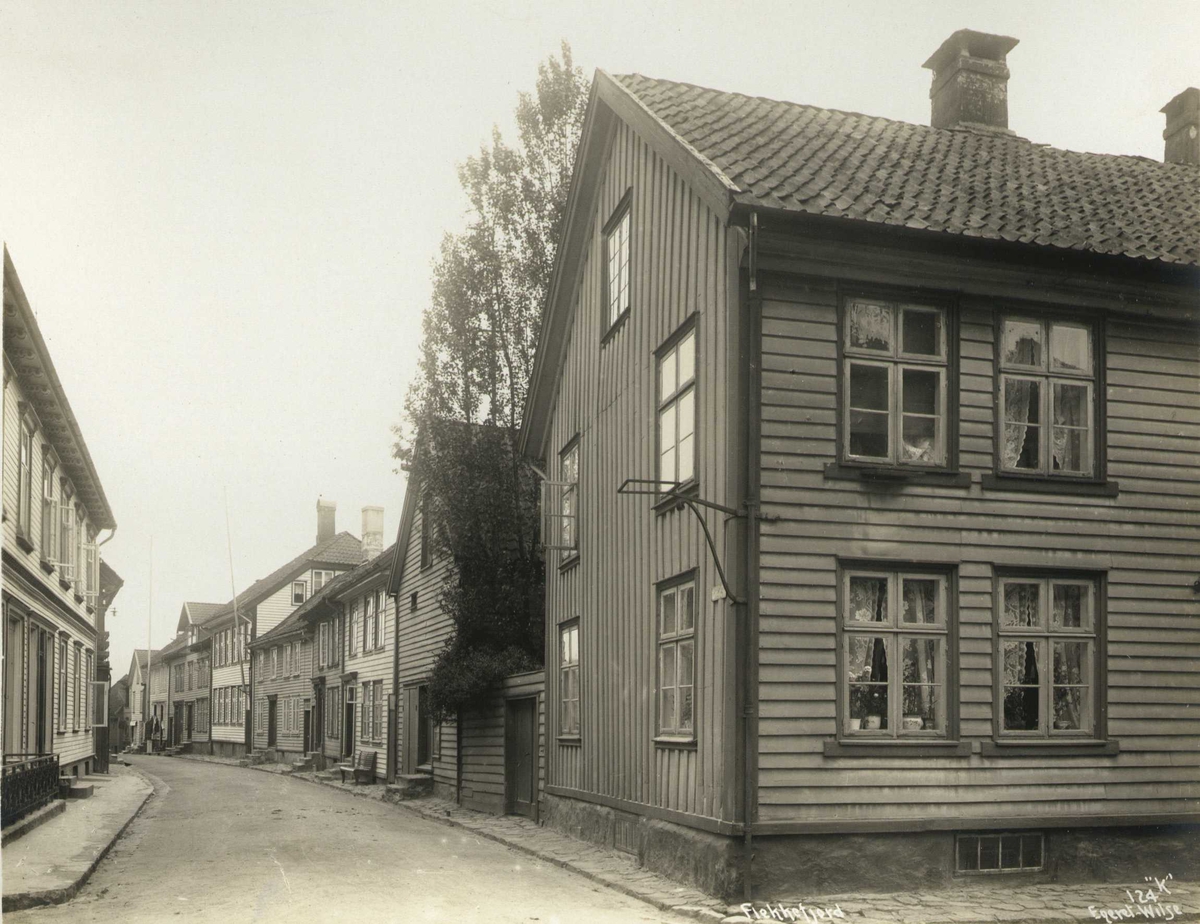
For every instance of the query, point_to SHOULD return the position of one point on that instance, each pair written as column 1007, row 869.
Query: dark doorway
column 424, row 728
column 348, row 723
column 308, row 747
column 318, row 721
column 187, row 728
column 272, row 722
column 520, row 756
column 41, row 699
column 177, row 726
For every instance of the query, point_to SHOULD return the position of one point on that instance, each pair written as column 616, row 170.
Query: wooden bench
column 363, row 766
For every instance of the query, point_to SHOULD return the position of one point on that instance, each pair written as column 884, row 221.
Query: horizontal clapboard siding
column 607, row 398
column 1147, row 539
column 483, row 783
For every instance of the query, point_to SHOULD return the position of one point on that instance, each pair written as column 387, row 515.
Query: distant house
column 872, row 494
column 258, row 609
column 54, row 588
column 118, row 715
column 189, row 666
column 137, row 676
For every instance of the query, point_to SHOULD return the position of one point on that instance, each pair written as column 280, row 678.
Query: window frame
column 564, row 732
column 1049, row 737
column 570, row 490
column 25, row 462
column 675, row 733
column 895, row 739
column 1098, row 413
column 669, row 347
column 299, row 589
column 899, row 300
column 609, row 322
column 353, row 625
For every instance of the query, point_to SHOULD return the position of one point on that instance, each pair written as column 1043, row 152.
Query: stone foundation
column 711, row 862
column 802, row 865
column 227, row 749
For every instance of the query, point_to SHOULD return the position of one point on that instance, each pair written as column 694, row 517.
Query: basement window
column 999, row 853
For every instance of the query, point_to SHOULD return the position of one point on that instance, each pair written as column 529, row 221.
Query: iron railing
column 29, row 783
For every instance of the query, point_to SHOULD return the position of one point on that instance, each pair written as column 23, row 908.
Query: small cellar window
column 999, row 853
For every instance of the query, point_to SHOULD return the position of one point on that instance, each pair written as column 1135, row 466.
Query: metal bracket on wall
column 654, row 488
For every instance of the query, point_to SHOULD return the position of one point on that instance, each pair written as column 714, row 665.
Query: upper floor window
column 49, row 509
column 25, row 483
column 1047, row 397
column 568, row 678
column 320, row 579
column 894, row 372
column 299, row 591
column 894, row 653
column 568, row 504
column 353, row 628
column 616, row 263
column 368, row 622
column 1048, row 637
column 66, row 534
column 677, row 412
column 676, row 659
column 380, row 603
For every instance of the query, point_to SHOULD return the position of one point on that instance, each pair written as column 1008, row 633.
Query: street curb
column 19, row 901
column 700, row 914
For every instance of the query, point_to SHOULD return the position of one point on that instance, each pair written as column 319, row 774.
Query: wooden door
column 520, row 756
column 348, row 723
column 272, row 722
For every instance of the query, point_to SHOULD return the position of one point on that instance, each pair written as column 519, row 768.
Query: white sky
column 224, row 213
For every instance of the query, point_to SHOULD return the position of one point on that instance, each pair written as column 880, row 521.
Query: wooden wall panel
column 607, row 397
column 1147, row 539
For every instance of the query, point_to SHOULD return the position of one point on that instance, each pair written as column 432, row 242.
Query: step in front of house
column 71, row 788
column 409, row 786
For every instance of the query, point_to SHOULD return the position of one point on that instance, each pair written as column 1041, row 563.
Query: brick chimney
column 970, row 80
column 326, row 519
column 372, row 532
column 1182, row 134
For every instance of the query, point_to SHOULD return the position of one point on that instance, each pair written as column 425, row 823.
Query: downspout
column 750, row 623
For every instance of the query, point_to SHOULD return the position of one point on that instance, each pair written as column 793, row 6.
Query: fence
column 29, row 783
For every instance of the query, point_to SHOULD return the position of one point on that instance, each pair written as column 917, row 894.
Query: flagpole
column 147, row 705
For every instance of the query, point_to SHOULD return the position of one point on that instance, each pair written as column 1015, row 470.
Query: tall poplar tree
column 463, row 412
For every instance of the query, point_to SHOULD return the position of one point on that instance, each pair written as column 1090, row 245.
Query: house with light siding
column 138, row 711
column 54, row 589
column 871, row 520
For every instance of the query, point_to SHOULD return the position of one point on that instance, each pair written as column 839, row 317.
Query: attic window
column 616, row 263
column 299, row 591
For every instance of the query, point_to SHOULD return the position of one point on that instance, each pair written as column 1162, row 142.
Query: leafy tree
column 463, row 412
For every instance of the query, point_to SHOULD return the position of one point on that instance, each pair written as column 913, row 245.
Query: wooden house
column 118, row 715
column 872, row 491
column 189, row 667
column 257, row 610
column 53, row 592
column 282, row 660
column 489, row 759
column 138, row 676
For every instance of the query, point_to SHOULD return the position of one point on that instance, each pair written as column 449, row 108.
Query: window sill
column 47, row 566
column 616, row 326
column 1044, row 485
column 571, row 561
column 674, row 500
column 24, row 543
column 64, row 583
column 78, row 598
column 1056, row 747
column 877, row 748
column 675, row 741
column 570, row 739
column 836, row 471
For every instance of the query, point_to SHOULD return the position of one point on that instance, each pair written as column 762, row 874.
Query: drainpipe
column 750, row 623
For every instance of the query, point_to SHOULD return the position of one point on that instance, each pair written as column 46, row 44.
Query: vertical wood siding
column 607, row 396
column 1147, row 539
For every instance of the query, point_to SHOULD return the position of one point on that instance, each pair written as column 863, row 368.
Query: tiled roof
column 976, row 183
column 199, row 612
column 330, row 590
column 342, row 549
column 140, row 654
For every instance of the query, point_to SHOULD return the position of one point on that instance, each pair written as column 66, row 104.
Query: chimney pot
column 1182, row 134
column 970, row 80
column 372, row 532
column 326, row 519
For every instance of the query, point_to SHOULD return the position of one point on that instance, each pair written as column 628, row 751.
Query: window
column 676, row 659
column 322, row 643
column 261, row 666
column 677, row 413
column 616, row 262
column 412, row 601
column 190, row 673
column 368, row 622
column 25, row 483
column 568, row 503
column 568, row 670
column 377, row 711
column 49, row 509
column 299, row 591
column 894, row 650
column 380, row 603
column 353, row 628
column 320, row 579
column 296, row 658
column 88, row 677
column 1048, row 639
column 333, row 719
column 62, row 685
column 998, row 853
column 202, row 715
column 275, row 662
column 75, row 689
column 287, row 660
column 894, row 383
column 66, row 535
column 1047, row 398
column 365, row 713
column 177, row 673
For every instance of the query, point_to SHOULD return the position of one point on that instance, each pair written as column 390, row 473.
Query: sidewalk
column 984, row 904
column 50, row 864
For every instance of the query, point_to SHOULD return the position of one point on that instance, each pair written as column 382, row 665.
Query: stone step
column 71, row 788
column 409, row 786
